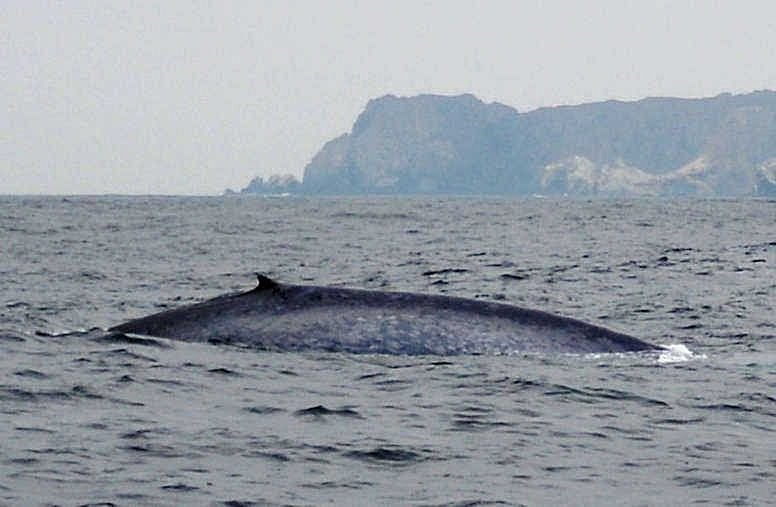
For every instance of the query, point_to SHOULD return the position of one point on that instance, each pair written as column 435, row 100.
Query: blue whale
column 282, row 317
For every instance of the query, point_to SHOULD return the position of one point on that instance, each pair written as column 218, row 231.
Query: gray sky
column 182, row 97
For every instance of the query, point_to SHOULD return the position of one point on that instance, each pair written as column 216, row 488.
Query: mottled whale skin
column 281, row 317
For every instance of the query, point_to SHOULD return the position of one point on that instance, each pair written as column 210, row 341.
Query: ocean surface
column 90, row 420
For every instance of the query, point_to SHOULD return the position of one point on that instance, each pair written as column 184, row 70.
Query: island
column 723, row 146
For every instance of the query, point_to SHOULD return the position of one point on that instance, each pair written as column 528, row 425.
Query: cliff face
column 661, row 146
column 426, row 144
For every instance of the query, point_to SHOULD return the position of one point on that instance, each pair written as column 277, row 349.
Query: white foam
column 677, row 353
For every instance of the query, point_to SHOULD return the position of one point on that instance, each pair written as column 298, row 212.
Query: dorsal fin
column 265, row 282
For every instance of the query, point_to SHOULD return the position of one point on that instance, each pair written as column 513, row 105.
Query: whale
column 276, row 316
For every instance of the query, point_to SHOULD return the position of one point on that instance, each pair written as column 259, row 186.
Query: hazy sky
column 188, row 97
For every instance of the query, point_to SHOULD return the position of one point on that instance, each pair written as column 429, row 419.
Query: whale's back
column 296, row 317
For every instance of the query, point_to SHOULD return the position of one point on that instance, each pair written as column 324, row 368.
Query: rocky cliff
column 720, row 146
column 424, row 144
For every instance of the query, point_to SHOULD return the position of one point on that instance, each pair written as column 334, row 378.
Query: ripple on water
column 319, row 411
column 392, row 455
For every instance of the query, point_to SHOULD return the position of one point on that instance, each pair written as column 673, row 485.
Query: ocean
column 87, row 420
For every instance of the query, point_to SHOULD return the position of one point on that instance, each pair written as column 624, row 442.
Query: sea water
column 131, row 422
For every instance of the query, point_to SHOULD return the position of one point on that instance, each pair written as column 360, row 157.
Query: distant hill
column 430, row 144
